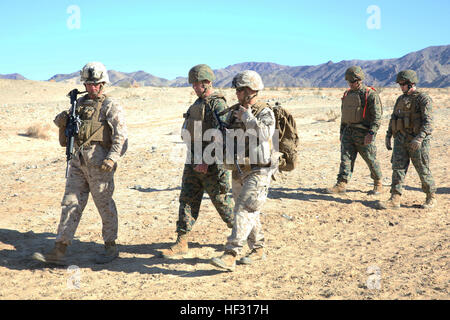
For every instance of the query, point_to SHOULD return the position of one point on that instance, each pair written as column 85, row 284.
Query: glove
column 202, row 168
column 388, row 142
column 368, row 139
column 415, row 144
column 107, row 165
column 240, row 112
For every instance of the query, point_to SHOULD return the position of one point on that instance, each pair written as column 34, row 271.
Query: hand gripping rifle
column 222, row 128
column 72, row 126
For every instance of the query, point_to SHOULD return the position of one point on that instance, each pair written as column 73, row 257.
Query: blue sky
column 166, row 38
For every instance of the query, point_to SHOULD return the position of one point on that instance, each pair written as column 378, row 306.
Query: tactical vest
column 353, row 112
column 201, row 111
column 407, row 116
column 237, row 124
column 91, row 128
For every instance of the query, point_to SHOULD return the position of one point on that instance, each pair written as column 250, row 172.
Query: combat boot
column 226, row 261
column 339, row 187
column 56, row 256
column 430, row 202
column 254, row 255
column 377, row 188
column 111, row 252
column 178, row 249
column 392, row 203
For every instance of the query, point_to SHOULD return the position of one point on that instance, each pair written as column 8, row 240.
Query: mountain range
column 432, row 64
column 12, row 76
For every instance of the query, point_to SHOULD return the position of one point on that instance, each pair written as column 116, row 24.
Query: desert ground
column 319, row 246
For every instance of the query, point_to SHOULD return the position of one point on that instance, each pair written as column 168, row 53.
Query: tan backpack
column 288, row 141
column 288, row 138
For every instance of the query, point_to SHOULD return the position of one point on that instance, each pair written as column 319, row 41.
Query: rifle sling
column 90, row 138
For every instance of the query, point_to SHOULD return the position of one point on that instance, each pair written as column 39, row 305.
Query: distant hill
column 12, row 76
column 117, row 78
column 139, row 77
column 432, row 65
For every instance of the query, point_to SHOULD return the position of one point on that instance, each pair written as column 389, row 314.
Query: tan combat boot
column 431, row 201
column 178, row 249
column 377, row 188
column 226, row 261
column 254, row 255
column 339, row 187
column 56, row 256
column 392, row 203
column 111, row 252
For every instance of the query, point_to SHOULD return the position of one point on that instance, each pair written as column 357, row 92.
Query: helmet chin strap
column 248, row 98
column 205, row 87
column 102, row 84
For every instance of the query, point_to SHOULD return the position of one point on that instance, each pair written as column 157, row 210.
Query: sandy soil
column 319, row 246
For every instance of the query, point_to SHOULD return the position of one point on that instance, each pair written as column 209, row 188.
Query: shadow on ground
column 82, row 254
column 317, row 194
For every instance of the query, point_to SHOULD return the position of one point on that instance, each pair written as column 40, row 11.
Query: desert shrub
column 125, row 84
column 330, row 116
column 38, row 131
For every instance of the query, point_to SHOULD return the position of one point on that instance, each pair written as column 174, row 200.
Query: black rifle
column 223, row 128
column 72, row 126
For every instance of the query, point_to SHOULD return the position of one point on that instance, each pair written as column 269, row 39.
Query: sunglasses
column 402, row 83
column 240, row 89
column 352, row 81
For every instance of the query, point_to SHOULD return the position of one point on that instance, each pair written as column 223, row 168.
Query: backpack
column 288, row 138
column 288, row 141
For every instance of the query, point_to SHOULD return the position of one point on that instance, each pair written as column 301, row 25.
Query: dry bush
column 38, row 131
column 331, row 116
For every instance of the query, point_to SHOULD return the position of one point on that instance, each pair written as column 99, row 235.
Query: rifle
column 72, row 126
column 222, row 128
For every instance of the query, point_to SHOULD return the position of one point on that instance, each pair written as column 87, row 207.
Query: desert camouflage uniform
column 352, row 138
column 86, row 176
column 216, row 182
column 402, row 153
column 251, row 189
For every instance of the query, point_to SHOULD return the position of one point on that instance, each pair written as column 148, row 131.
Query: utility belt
column 247, row 166
column 358, row 126
column 253, row 166
column 89, row 144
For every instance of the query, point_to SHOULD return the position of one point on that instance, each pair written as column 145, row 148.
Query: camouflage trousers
column 250, row 194
column 352, row 144
column 86, row 176
column 216, row 183
column 401, row 157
